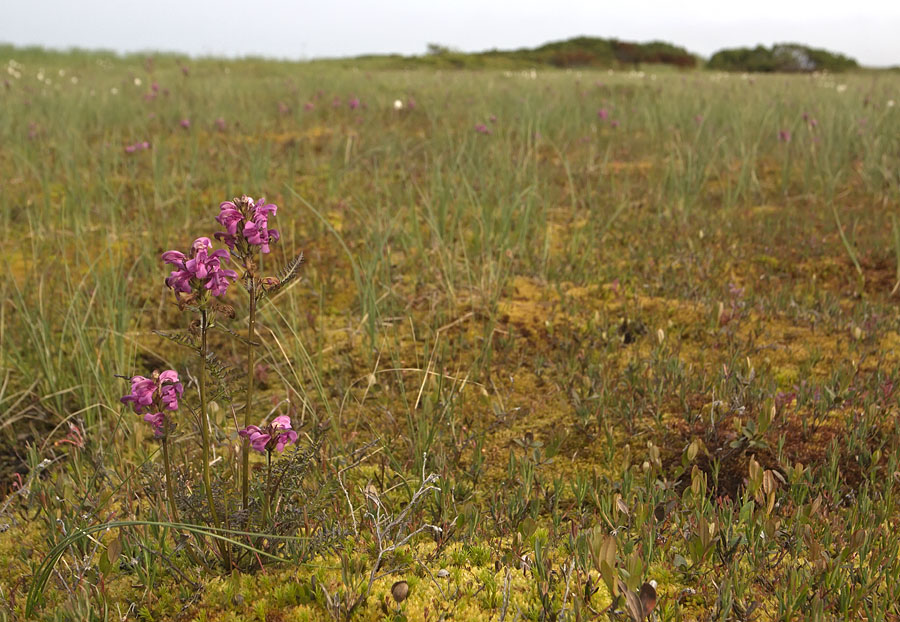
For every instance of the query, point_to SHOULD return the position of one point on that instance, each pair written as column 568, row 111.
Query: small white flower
column 841, row 88
column 398, row 105
column 114, row 91
column 890, row 103
column 137, row 81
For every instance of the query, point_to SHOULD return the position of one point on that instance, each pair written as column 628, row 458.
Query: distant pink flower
column 481, row 128
column 272, row 437
column 784, row 136
column 186, row 124
column 698, row 119
column 411, row 103
column 141, row 146
column 603, row 114
column 220, row 124
column 308, row 106
column 614, row 124
column 353, row 103
column 493, row 118
column 185, row 70
column 283, row 108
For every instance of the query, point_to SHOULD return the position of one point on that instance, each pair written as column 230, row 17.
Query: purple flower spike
column 152, row 396
column 784, row 136
column 258, row 439
column 202, row 270
column 246, row 225
column 273, row 437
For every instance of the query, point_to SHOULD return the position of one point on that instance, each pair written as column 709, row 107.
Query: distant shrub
column 781, row 57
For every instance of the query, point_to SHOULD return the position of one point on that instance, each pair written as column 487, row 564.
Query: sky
column 868, row 30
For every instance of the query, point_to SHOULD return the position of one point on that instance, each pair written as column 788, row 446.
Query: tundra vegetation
column 536, row 344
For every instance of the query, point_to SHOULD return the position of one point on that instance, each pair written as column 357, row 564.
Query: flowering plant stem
column 204, row 432
column 245, row 448
column 170, row 492
column 268, row 486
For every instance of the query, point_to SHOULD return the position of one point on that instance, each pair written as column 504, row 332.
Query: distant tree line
column 597, row 52
column 781, row 57
column 577, row 52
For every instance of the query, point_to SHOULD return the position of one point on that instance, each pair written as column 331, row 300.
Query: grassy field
column 562, row 340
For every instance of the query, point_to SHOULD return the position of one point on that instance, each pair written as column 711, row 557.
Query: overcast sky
column 868, row 30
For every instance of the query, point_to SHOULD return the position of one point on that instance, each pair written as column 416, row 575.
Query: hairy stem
column 268, row 486
column 245, row 447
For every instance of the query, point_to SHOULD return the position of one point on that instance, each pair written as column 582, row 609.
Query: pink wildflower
column 273, row 437
column 246, row 224
column 201, row 270
column 153, row 396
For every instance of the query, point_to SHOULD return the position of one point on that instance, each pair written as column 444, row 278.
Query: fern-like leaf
column 287, row 275
column 237, row 336
column 224, row 375
column 182, row 339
